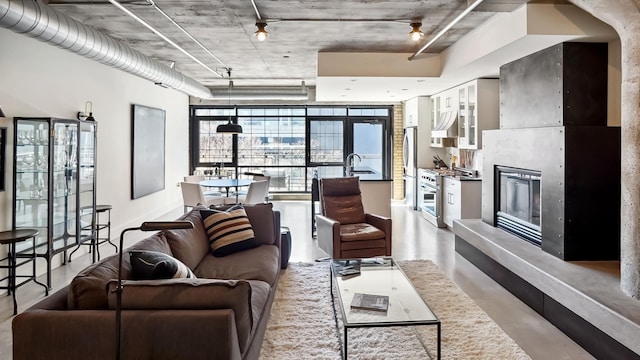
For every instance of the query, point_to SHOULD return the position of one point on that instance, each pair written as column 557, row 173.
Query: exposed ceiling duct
column 36, row 20
column 261, row 93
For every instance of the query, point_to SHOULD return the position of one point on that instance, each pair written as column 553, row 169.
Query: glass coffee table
column 383, row 277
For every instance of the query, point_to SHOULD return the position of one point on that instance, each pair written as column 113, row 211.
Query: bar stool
column 11, row 237
column 97, row 241
column 101, row 209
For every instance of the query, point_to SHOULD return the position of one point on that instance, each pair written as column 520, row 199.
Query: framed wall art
column 147, row 150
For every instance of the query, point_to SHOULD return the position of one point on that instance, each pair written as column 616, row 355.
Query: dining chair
column 193, row 195
column 196, row 180
column 256, row 194
column 255, row 177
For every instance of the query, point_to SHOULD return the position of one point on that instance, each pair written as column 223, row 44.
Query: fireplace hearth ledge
column 590, row 289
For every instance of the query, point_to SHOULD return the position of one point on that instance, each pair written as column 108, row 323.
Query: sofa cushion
column 148, row 265
column 189, row 245
column 261, row 263
column 261, row 217
column 228, row 231
column 247, row 299
column 88, row 289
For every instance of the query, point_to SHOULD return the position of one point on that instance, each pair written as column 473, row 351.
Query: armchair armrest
column 383, row 223
column 328, row 235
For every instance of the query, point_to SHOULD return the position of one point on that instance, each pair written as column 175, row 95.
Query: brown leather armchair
column 344, row 229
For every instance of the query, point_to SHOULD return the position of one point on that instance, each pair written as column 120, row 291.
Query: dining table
column 226, row 183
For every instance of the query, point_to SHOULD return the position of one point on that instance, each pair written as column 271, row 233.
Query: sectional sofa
column 222, row 313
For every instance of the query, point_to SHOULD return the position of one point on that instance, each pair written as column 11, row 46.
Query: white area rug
column 302, row 325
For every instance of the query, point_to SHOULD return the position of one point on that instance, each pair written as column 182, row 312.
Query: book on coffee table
column 347, row 267
column 370, row 302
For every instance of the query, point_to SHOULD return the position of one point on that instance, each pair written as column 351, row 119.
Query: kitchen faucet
column 351, row 162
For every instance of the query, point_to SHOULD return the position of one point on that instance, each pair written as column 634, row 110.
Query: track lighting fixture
column 416, row 34
column 261, row 33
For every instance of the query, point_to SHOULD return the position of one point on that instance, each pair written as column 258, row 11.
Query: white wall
column 37, row 79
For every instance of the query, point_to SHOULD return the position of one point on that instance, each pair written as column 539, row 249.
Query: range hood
column 447, row 127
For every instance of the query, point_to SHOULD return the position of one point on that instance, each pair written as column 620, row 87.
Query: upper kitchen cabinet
column 416, row 111
column 478, row 109
column 443, row 106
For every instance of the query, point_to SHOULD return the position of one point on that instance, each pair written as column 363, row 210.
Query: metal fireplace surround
column 553, row 121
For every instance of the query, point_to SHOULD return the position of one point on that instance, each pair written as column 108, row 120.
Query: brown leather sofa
column 221, row 314
column 344, row 229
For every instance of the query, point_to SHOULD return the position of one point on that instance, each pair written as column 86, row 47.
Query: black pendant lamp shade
column 229, row 128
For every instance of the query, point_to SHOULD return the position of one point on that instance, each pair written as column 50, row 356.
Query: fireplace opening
column 517, row 202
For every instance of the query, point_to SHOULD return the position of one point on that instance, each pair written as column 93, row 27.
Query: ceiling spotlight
column 416, row 34
column 261, row 33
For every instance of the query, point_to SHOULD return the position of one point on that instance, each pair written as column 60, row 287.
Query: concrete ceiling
column 298, row 31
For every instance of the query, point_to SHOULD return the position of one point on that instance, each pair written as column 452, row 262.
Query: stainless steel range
column 430, row 196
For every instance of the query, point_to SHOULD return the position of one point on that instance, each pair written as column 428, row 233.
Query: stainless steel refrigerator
column 410, row 166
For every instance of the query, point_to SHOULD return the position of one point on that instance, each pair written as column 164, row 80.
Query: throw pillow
column 150, row 265
column 228, row 231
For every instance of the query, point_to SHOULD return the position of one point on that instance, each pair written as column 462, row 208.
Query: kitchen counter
column 464, row 178
column 366, row 173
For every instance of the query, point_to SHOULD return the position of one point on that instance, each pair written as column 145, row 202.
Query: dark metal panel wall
column 564, row 85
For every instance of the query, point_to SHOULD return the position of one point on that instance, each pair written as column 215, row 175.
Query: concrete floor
column 413, row 238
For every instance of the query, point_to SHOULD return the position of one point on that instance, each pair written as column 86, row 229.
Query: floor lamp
column 146, row 226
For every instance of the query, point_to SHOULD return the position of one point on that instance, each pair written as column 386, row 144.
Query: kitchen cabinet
column 461, row 199
column 440, row 103
column 54, row 184
column 478, row 110
column 416, row 111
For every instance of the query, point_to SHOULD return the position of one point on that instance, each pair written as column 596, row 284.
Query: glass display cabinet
column 54, row 184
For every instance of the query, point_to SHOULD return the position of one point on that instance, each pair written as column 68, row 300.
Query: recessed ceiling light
column 354, row 80
column 347, row 89
column 404, row 89
column 420, row 80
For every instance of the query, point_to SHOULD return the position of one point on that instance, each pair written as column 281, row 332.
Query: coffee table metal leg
column 345, row 342
column 438, row 341
column 343, row 351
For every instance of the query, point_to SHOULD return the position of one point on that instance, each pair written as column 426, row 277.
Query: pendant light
column 229, row 128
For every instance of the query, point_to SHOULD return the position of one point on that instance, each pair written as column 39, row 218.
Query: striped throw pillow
column 228, row 231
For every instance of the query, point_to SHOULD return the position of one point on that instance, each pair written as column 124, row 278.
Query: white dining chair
column 196, row 180
column 256, row 194
column 193, row 195
column 256, row 177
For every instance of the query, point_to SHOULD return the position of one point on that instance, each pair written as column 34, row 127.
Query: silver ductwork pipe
column 39, row 21
column 261, row 93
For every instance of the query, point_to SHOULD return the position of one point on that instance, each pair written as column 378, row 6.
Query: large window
column 285, row 142
column 212, row 149
column 271, row 137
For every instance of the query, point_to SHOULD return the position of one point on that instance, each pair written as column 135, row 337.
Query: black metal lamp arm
column 146, row 226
